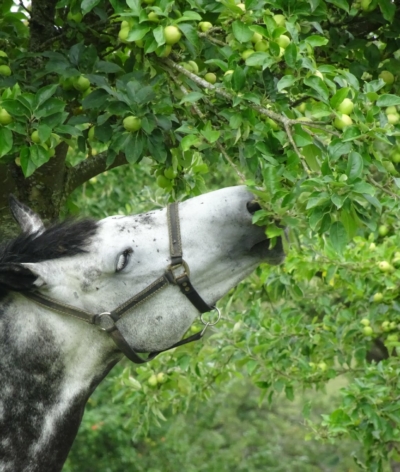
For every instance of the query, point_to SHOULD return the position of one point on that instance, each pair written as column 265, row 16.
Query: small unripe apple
column 161, row 378
column 205, row 26
column 152, row 381
column 346, row 106
column 210, row 77
column 343, row 121
column 368, row 331
column 378, row 297
column 383, row 230
column 372, row 247
column 396, row 157
column 393, row 118
column 384, row 266
column 163, row 182
column 172, row 34
column 195, row 67
column 247, row 53
column 81, row 83
column 322, row 366
column 261, row 46
column 391, row 111
column 385, row 326
column 132, row 123
column 283, row 41
column 152, row 16
column 35, row 137
column 256, row 37
column 387, row 77
column 124, row 24
column 169, row 173
column 5, row 70
column 123, row 33
column 393, row 338
column 365, row 322
column 91, row 136
column 77, row 17
column 280, row 20
column 5, row 117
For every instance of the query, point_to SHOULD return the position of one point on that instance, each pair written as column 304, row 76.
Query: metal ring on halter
column 206, row 323
column 110, row 323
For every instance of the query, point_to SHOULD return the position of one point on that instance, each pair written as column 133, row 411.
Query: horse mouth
column 272, row 255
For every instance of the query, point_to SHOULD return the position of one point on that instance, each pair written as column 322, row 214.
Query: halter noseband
column 177, row 273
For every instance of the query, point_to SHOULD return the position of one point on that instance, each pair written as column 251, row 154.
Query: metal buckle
column 208, row 323
column 183, row 265
column 109, row 321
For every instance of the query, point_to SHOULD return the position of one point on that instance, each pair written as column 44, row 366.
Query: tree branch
column 89, row 168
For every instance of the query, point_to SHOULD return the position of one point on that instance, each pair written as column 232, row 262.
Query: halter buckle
column 105, row 322
column 182, row 270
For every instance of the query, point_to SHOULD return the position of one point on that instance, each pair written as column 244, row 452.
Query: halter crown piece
column 177, row 273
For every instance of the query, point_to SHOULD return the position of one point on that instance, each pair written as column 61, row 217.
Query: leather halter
column 177, row 273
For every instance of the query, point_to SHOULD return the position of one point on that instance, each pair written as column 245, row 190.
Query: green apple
column 210, row 77
column 5, row 70
column 81, row 83
column 385, row 326
column 123, row 33
column 283, row 41
column 383, row 230
column 387, row 77
column 77, row 17
column 205, row 26
column 132, row 123
column 273, row 124
column 247, row 53
column 91, row 136
column 342, row 121
column 125, row 24
column 346, row 106
column 152, row 16
column 396, row 157
column 261, row 46
column 384, row 266
column 365, row 322
column 5, row 117
column 322, row 366
column 172, row 34
column 391, row 111
column 378, row 297
column 393, row 118
column 301, row 107
column 35, row 137
column 368, row 331
column 280, row 20
column 161, row 378
column 195, row 67
column 256, row 38
column 152, row 380
column 163, row 182
column 393, row 338
column 167, row 50
column 169, row 173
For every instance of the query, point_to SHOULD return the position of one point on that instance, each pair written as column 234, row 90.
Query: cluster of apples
column 5, row 70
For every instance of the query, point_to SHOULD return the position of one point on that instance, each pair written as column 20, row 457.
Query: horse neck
column 49, row 366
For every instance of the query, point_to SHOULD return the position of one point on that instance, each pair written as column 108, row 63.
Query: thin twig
column 292, row 142
column 212, row 39
column 383, row 189
column 313, row 135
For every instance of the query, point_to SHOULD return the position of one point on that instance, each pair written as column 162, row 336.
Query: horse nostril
column 253, row 206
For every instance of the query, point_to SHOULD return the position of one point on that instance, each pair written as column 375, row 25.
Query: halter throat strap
column 177, row 273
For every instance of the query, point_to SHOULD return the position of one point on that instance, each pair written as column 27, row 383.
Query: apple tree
column 296, row 99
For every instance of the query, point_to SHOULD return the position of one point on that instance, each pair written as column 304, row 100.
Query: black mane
column 64, row 239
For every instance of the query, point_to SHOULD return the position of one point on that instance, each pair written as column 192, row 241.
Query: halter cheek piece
column 177, row 273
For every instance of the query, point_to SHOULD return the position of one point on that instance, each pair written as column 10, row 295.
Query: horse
column 77, row 296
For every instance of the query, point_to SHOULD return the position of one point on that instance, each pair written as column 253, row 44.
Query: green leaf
column 44, row 94
column 218, row 62
column 188, row 141
column 311, row 154
column 95, row 99
column 300, row 137
column 351, row 133
column 318, row 201
column 135, row 7
column 159, row 35
column 285, row 81
column 348, row 221
column 140, row 31
column 44, row 132
column 339, row 96
column 388, row 100
column 6, row 141
column 337, row 148
column 319, row 86
column 259, row 59
column 49, row 107
column 88, row 5
column 363, row 187
column 388, row 9
column 190, row 33
column 338, row 236
column 210, row 134
column 133, row 147
column 192, row 97
column 27, row 165
column 315, row 40
column 241, row 31
column 156, row 145
column 355, row 165
column 238, row 79
column 291, row 54
column 16, row 108
column 343, row 4
column 271, row 179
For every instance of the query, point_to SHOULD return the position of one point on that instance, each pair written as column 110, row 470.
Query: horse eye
column 123, row 260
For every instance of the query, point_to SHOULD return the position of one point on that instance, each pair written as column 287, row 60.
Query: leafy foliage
column 299, row 99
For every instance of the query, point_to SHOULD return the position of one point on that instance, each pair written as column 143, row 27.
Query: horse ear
column 28, row 220
column 17, row 277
